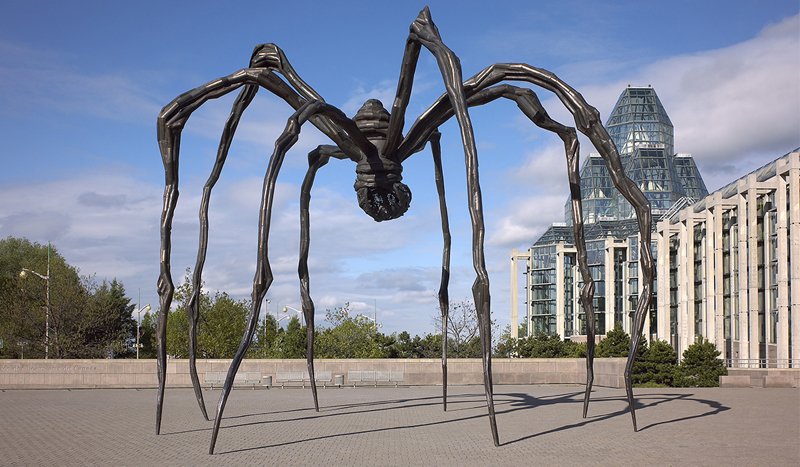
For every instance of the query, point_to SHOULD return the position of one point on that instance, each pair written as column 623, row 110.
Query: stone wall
column 761, row 378
column 57, row 374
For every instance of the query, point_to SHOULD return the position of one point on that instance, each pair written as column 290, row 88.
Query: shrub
column 656, row 366
column 700, row 367
column 615, row 344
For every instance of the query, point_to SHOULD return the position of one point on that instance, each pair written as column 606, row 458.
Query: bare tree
column 463, row 337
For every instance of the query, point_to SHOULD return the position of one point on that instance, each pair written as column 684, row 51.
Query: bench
column 375, row 377
column 241, row 379
column 283, row 377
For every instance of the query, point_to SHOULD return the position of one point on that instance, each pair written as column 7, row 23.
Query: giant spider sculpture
column 374, row 140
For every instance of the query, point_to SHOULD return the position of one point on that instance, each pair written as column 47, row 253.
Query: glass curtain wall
column 543, row 290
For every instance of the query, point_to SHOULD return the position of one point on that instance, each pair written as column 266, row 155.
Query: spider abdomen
column 384, row 204
column 379, row 189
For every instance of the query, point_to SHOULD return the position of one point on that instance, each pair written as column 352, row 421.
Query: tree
column 700, row 367
column 107, row 325
column 85, row 319
column 292, row 342
column 349, row 337
column 220, row 327
column 463, row 334
column 656, row 367
column 617, row 343
column 268, row 333
column 147, row 336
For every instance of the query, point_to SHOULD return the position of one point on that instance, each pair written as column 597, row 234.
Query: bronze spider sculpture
column 374, row 140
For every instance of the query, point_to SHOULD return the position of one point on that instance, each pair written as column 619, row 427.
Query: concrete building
column 729, row 269
column 723, row 260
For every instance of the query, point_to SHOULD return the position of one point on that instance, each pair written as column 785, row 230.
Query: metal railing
column 762, row 363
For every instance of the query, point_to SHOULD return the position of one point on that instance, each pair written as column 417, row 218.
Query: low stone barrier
column 761, row 378
column 61, row 374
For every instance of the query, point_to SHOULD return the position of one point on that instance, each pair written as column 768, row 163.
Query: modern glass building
column 644, row 136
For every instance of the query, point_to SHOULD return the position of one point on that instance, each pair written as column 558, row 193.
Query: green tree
column 264, row 345
column 617, row 343
column 506, row 346
column 220, row 328
column 700, row 367
column 85, row 319
column 292, row 342
column 349, row 336
column 147, row 336
column 107, row 326
column 657, row 365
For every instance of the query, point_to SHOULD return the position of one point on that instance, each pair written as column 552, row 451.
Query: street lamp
column 145, row 308
column 287, row 308
column 23, row 274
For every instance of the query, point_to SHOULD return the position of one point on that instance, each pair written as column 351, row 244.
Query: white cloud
column 734, row 109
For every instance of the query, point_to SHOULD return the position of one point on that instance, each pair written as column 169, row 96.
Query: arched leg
column 244, row 99
column 316, row 159
column 602, row 141
column 444, row 296
column 587, row 120
column 425, row 33
column 171, row 120
column 263, row 276
column 587, row 290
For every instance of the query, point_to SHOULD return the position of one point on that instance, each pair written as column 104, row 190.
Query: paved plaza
column 539, row 425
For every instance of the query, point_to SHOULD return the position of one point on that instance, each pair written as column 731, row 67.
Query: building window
column 772, row 226
column 569, row 294
column 699, row 278
column 674, row 244
column 543, row 290
column 726, row 275
column 595, row 252
column 619, row 287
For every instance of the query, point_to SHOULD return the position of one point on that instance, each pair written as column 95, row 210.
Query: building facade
column 724, row 268
column 729, row 269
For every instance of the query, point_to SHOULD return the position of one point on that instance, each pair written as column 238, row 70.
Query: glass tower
column 644, row 136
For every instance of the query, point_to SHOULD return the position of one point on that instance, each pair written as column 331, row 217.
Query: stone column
column 662, row 272
column 684, row 287
column 714, row 299
column 782, row 339
column 794, row 253
column 752, row 267
column 744, row 304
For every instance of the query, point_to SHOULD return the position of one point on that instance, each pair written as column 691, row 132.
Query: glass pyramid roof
column 644, row 136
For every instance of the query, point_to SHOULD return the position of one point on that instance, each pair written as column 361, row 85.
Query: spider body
column 375, row 141
column 379, row 188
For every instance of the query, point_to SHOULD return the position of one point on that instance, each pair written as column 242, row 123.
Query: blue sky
column 81, row 85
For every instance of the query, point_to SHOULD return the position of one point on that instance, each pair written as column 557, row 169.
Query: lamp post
column 302, row 318
column 23, row 274
column 138, row 324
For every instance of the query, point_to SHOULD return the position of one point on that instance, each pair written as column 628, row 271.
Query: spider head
column 381, row 194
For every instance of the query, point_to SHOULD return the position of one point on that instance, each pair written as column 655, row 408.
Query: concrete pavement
column 539, row 425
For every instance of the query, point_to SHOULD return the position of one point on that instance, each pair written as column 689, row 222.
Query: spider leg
column 423, row 32
column 171, row 120
column 444, row 298
column 587, row 120
column 244, row 99
column 316, row 159
column 263, row 276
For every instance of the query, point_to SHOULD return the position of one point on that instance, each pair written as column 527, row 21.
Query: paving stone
column 539, row 425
